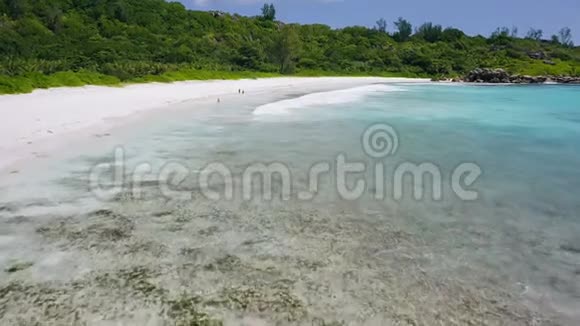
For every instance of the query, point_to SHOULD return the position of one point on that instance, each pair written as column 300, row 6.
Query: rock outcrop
column 524, row 79
column 495, row 76
column 565, row 79
column 217, row 13
column 538, row 55
column 486, row 75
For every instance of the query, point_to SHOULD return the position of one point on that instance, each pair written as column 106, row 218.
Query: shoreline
column 48, row 119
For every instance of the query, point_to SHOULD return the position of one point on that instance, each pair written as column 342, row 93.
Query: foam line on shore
column 324, row 98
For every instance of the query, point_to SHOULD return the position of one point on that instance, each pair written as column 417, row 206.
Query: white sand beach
column 40, row 121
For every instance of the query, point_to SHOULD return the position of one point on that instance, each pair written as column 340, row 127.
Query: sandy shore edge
column 39, row 120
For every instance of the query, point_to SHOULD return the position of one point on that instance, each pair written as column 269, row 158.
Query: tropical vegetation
column 75, row 42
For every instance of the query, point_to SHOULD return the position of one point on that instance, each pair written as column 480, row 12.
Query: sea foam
column 324, row 98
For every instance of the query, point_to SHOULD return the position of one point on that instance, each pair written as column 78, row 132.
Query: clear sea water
column 523, row 233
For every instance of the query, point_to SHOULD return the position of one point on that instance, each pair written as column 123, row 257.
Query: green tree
column 269, row 12
column 285, row 49
column 382, row 25
column 535, row 34
column 501, row 32
column 430, row 33
column 404, row 30
column 17, row 8
column 514, row 32
column 501, row 36
column 53, row 18
column 565, row 37
column 452, row 34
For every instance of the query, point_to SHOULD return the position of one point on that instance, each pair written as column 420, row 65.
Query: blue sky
column 472, row 16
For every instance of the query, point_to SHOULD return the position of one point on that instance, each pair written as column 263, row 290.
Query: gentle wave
column 324, row 98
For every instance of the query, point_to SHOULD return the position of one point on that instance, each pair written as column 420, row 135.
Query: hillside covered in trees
column 74, row 42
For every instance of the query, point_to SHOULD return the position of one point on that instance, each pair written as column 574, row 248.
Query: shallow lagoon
column 511, row 257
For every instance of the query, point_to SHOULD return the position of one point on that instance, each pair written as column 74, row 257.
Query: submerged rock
column 19, row 266
column 571, row 248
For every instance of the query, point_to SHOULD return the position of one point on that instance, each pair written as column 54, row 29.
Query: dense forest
column 74, row 42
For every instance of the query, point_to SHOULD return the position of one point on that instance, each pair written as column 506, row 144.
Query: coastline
column 46, row 119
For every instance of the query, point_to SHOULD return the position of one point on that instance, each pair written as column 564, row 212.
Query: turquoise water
column 525, row 227
column 525, row 139
column 521, row 234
